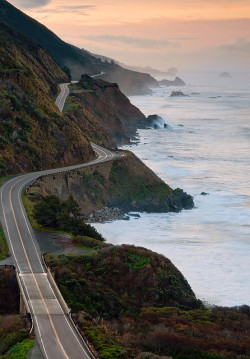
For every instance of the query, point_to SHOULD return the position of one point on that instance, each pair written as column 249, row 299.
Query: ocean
column 205, row 148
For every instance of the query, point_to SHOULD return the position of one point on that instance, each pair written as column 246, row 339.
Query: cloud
column 137, row 42
column 241, row 45
column 78, row 7
column 33, row 4
column 30, row 4
column 76, row 10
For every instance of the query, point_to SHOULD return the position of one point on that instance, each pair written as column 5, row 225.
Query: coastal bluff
column 126, row 183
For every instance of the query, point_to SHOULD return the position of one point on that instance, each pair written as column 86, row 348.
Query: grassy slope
column 4, row 250
column 34, row 134
column 120, row 279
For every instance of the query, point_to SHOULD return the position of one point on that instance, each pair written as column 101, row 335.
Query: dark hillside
column 78, row 61
column 62, row 52
column 119, row 279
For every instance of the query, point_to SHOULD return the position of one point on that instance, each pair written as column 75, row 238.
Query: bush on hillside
column 63, row 215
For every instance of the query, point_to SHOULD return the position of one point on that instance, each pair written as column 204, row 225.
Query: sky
column 187, row 34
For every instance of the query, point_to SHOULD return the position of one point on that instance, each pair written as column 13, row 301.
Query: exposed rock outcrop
column 103, row 112
column 178, row 94
column 105, row 214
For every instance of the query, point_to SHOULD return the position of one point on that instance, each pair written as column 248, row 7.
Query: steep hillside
column 130, row 82
column 94, row 102
column 33, row 133
column 77, row 60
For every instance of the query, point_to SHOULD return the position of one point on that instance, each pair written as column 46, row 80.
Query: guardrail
column 83, row 341
column 59, row 296
column 66, row 309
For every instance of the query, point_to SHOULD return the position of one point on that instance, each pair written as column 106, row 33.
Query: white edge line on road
column 7, row 227
column 35, row 318
column 18, row 265
column 19, row 197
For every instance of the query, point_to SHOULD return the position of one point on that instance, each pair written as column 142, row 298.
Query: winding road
column 55, row 333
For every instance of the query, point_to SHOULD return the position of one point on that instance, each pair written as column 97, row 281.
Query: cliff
column 176, row 82
column 33, row 133
column 103, row 112
column 125, row 183
column 131, row 82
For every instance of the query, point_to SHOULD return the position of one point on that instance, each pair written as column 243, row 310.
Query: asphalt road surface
column 62, row 96
column 55, row 333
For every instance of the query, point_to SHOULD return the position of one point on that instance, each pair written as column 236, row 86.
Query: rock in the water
column 204, row 193
column 135, row 215
column 126, row 218
column 225, row 75
column 155, row 121
column 176, row 82
column 178, row 94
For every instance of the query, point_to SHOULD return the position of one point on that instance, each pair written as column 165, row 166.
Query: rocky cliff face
column 125, row 183
column 101, row 103
column 33, row 133
column 130, row 82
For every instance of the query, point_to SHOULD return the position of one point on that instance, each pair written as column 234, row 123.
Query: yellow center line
column 39, row 290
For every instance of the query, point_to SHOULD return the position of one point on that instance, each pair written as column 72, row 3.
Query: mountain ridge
column 78, row 61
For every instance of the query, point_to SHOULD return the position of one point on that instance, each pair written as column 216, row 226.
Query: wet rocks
column 106, row 214
column 178, row 94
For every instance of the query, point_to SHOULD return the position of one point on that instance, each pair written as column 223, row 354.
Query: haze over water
column 206, row 148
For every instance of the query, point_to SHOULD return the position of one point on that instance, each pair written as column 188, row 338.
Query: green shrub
column 4, row 250
column 103, row 344
column 136, row 261
column 20, row 350
column 50, row 211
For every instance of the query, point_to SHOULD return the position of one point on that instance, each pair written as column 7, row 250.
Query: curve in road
column 56, row 335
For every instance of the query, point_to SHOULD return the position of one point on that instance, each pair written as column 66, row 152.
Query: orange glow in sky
column 159, row 33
